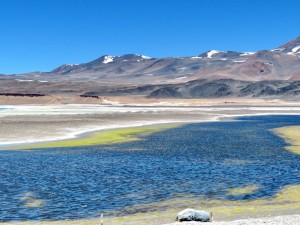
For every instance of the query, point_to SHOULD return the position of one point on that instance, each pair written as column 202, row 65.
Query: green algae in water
column 102, row 137
column 291, row 134
column 245, row 190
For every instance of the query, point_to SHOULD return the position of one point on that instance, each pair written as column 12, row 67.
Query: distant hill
column 267, row 73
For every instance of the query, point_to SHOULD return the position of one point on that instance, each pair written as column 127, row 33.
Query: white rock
column 194, row 215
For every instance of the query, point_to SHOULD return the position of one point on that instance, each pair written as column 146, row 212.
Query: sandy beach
column 278, row 220
column 39, row 123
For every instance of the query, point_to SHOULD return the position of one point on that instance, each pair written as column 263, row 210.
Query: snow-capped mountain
column 291, row 48
column 172, row 76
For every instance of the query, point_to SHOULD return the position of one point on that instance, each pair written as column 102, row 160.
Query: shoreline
column 86, row 132
column 293, row 219
column 83, row 133
column 211, row 114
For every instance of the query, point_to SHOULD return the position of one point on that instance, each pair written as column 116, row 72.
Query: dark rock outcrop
column 21, row 95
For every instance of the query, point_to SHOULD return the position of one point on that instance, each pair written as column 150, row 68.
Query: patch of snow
column 224, row 59
column 196, row 57
column 247, row 53
column 277, row 50
column 294, row 50
column 211, row 53
column 292, row 53
column 239, row 61
column 66, row 65
column 180, row 78
column 108, row 59
column 24, row 80
column 182, row 68
column 138, row 60
column 43, row 81
column 145, row 57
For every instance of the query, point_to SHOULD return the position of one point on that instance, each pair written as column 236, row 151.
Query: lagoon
column 240, row 160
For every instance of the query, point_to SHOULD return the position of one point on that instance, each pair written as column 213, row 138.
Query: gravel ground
column 279, row 220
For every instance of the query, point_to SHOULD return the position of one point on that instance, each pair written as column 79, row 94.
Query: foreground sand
column 278, row 220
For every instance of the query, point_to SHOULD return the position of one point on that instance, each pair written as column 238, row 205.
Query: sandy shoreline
column 29, row 124
column 39, row 124
column 278, row 220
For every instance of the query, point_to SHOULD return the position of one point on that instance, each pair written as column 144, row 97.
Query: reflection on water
column 207, row 160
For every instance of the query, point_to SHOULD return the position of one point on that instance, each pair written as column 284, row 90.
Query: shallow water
column 207, row 159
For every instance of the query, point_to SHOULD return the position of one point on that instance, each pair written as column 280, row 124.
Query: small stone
column 194, row 215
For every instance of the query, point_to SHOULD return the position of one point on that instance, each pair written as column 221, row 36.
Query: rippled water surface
column 200, row 159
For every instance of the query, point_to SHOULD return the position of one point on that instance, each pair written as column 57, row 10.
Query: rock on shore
column 194, row 215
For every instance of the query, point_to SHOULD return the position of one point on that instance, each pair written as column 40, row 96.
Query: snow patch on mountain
column 145, row 57
column 247, row 53
column 108, row 59
column 68, row 65
column 196, row 57
column 294, row 50
column 21, row 80
column 180, row 78
column 211, row 53
column 277, row 50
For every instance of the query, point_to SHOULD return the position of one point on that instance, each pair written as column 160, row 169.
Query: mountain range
column 267, row 74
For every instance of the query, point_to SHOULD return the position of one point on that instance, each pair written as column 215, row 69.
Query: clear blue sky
column 39, row 35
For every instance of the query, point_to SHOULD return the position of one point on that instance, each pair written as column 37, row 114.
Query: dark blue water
column 199, row 159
